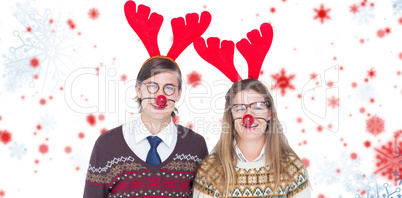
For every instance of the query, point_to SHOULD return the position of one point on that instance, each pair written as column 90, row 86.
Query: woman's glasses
column 168, row 89
column 257, row 108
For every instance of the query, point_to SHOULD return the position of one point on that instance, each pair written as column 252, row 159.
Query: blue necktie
column 153, row 156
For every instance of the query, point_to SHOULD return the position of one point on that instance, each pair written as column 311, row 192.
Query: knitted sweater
column 115, row 171
column 254, row 179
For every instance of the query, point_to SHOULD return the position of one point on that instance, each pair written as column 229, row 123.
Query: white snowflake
column 47, row 123
column 397, row 6
column 17, row 74
column 364, row 92
column 385, row 190
column 327, row 173
column 346, row 171
column 46, row 41
column 17, row 150
column 365, row 14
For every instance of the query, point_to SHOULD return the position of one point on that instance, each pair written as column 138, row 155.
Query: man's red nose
column 161, row 100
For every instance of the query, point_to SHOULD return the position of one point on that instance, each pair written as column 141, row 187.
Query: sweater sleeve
column 299, row 182
column 198, row 194
column 205, row 182
column 94, row 185
column 306, row 193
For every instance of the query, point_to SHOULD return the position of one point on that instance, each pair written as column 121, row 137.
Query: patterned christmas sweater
column 254, row 179
column 115, row 171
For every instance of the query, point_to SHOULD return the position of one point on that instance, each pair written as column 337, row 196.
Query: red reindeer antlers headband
column 253, row 50
column 147, row 28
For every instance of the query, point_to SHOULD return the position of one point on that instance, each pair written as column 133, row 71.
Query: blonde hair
column 276, row 149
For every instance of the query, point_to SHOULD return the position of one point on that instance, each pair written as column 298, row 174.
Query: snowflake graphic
column 333, row 102
column 322, row 13
column 364, row 13
column 17, row 74
column 44, row 43
column 194, row 79
column 375, row 125
column 354, row 8
column 17, row 150
column 377, row 191
column 388, row 158
column 283, row 81
column 365, row 91
column 371, row 73
column 93, row 13
column 345, row 171
column 397, row 6
column 47, row 123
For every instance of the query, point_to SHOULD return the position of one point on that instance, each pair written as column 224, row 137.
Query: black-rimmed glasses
column 168, row 89
column 258, row 108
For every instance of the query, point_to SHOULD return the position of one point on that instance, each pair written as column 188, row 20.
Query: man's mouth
column 158, row 107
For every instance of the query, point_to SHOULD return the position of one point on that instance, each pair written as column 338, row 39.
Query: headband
column 220, row 54
column 147, row 28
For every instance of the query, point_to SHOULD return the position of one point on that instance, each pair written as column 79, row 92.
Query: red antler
column 221, row 58
column 184, row 34
column 146, row 29
column 255, row 52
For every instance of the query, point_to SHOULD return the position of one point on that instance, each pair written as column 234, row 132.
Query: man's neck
column 155, row 126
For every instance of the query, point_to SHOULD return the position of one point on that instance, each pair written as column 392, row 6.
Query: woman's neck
column 251, row 149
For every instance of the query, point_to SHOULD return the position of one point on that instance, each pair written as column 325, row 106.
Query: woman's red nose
column 248, row 120
column 161, row 100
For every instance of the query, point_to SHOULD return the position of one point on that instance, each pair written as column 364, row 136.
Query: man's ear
column 179, row 95
column 138, row 90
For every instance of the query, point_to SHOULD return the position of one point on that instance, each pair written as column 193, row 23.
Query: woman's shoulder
column 294, row 168
column 296, row 175
column 292, row 159
column 208, row 165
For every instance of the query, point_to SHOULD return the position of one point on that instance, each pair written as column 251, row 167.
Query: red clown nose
column 161, row 100
column 248, row 120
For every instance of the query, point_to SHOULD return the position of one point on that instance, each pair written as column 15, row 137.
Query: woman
column 150, row 156
column 252, row 157
column 252, row 152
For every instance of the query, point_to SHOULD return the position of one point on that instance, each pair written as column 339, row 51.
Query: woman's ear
column 138, row 90
column 269, row 114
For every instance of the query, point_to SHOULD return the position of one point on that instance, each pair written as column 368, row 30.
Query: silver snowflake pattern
column 346, row 171
column 45, row 41
column 365, row 14
column 397, row 6
column 364, row 92
column 17, row 150
column 377, row 190
column 47, row 123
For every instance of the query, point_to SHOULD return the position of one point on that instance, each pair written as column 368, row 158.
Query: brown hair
column 157, row 65
column 276, row 149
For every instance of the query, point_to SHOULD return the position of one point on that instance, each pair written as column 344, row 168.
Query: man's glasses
column 257, row 108
column 153, row 87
